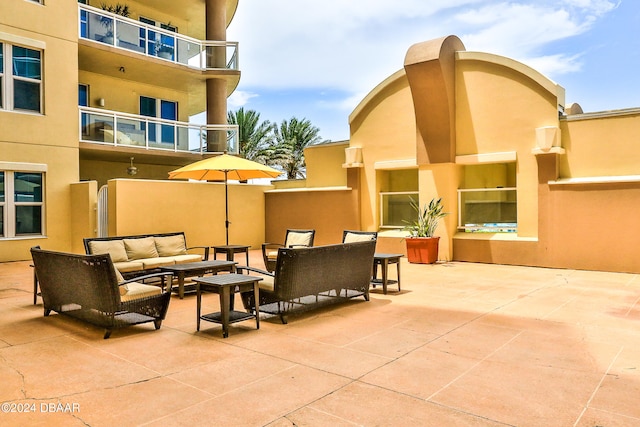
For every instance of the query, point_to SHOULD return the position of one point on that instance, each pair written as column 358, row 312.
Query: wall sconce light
column 101, row 102
column 132, row 170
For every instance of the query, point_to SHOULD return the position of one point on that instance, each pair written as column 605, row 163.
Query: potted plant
column 422, row 245
column 108, row 22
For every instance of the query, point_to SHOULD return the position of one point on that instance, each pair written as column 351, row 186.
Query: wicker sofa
column 305, row 278
column 88, row 287
column 145, row 253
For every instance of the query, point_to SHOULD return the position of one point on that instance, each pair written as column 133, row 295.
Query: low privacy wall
column 590, row 226
column 329, row 211
column 197, row 208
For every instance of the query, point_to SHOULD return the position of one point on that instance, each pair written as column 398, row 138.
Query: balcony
column 130, row 35
column 118, row 129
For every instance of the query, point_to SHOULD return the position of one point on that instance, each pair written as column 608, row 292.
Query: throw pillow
column 141, row 248
column 170, row 245
column 115, row 248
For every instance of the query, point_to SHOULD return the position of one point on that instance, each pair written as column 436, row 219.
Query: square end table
column 383, row 260
column 226, row 285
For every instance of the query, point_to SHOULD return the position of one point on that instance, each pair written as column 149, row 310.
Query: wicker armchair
column 293, row 239
column 87, row 287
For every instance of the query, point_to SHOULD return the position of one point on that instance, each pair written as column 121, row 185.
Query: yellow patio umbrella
column 223, row 168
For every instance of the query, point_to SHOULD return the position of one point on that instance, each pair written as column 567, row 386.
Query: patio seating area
column 462, row 344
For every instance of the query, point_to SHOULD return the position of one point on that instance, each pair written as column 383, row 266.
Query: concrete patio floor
column 461, row 345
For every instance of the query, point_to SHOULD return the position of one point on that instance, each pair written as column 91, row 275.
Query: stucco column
column 216, row 20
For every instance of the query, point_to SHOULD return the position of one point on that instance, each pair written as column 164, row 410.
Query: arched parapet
column 540, row 79
column 430, row 70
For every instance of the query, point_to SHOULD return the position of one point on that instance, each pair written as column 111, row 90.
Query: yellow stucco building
column 92, row 91
column 526, row 178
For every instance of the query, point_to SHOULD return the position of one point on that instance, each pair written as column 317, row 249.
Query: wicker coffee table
column 226, row 285
column 190, row 269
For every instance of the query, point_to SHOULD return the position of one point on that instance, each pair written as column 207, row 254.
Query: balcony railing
column 124, row 33
column 114, row 128
column 488, row 210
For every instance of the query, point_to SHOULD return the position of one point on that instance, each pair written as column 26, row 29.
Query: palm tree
column 291, row 138
column 255, row 137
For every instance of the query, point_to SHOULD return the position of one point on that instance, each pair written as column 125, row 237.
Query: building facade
column 527, row 178
column 91, row 91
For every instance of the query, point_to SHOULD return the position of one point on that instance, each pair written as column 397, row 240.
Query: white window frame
column 9, row 204
column 7, row 41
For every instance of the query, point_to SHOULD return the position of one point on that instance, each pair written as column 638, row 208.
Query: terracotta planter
column 422, row 250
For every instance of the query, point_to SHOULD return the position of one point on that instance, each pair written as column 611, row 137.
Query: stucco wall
column 601, row 145
column 498, row 109
column 329, row 212
column 197, row 208
column 383, row 125
column 324, row 165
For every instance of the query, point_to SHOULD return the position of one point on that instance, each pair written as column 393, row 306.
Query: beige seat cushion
column 183, row 259
column 141, row 248
column 128, row 266
column 266, row 284
column 135, row 290
column 157, row 262
column 272, row 255
column 170, row 245
column 115, row 248
column 357, row 237
column 295, row 238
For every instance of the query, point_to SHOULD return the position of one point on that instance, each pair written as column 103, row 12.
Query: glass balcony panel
column 488, row 210
column 128, row 37
column 216, row 57
column 166, row 47
column 188, row 53
column 216, row 140
column 233, row 145
column 124, row 129
column 183, row 139
column 97, row 128
column 125, row 33
column 396, row 210
column 130, row 132
column 97, row 27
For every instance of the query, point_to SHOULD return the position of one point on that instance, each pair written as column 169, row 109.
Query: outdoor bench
column 144, row 253
column 305, row 278
column 89, row 288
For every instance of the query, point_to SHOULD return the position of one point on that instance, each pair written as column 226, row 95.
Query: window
column 20, row 78
column 21, row 203
column 83, row 95
column 167, row 110
column 397, row 189
column 488, row 203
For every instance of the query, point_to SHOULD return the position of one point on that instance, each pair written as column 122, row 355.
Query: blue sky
column 317, row 59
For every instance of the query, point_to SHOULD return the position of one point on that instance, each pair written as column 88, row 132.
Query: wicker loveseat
column 144, row 253
column 88, row 287
column 307, row 277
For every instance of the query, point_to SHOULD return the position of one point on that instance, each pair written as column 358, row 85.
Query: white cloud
column 352, row 46
column 239, row 99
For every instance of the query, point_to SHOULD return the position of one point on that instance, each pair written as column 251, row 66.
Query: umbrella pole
column 226, row 207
